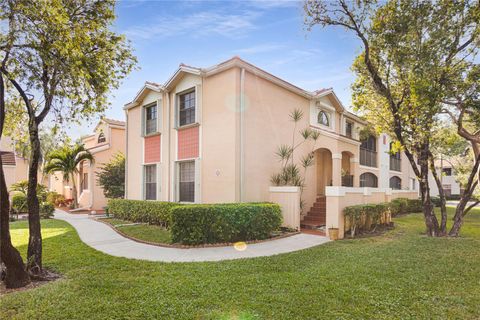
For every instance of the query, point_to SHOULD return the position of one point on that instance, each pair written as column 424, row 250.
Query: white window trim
column 144, row 119
column 197, row 178
column 177, row 108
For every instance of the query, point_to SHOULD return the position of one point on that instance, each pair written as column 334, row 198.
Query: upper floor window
column 368, row 152
column 395, row 160
column 101, row 138
column 186, row 111
column 151, row 119
column 323, row 118
column 447, row 171
column 349, row 129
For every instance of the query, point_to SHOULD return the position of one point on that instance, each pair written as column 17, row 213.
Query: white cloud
column 198, row 24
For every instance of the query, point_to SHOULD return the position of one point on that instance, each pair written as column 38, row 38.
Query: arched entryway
column 323, row 163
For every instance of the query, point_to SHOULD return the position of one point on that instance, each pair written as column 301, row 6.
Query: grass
column 145, row 232
column 399, row 275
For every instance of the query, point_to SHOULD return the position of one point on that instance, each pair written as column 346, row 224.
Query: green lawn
column 144, row 232
column 400, row 275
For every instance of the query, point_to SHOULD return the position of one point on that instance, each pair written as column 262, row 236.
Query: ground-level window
column 368, row 179
column 413, row 184
column 150, row 182
column 395, row 183
column 85, row 181
column 186, row 173
column 447, row 189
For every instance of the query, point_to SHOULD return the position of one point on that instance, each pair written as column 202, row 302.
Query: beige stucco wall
column 134, row 154
column 219, row 133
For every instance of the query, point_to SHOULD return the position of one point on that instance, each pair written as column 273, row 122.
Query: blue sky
column 269, row 34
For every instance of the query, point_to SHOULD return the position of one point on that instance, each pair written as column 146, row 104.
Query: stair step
column 310, row 225
column 319, row 205
column 317, row 210
column 314, row 220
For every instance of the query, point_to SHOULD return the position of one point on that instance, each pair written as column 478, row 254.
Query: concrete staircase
column 316, row 216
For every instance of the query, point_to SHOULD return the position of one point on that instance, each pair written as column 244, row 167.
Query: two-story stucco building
column 209, row 135
column 107, row 139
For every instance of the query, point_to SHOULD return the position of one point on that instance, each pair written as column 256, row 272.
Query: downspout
column 126, row 154
column 242, row 132
column 169, row 182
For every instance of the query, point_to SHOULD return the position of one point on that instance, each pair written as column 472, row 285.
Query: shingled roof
column 8, row 158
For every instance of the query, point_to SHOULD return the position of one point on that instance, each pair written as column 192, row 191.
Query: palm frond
column 296, row 115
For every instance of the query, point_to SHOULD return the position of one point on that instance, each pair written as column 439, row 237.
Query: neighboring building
column 14, row 166
column 210, row 135
column 446, row 173
column 107, row 140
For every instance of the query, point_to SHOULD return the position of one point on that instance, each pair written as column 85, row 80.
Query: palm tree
column 67, row 160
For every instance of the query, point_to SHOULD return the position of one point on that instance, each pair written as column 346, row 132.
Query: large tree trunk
column 431, row 222
column 443, row 203
column 34, row 254
column 15, row 274
column 466, row 196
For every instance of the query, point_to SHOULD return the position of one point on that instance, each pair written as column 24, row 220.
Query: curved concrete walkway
column 102, row 238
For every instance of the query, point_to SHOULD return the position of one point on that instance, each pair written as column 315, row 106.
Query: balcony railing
column 347, row 181
column 395, row 164
column 368, row 157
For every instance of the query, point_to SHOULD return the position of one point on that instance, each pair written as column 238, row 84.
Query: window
column 395, row 183
column 368, row 152
column 413, row 184
column 101, row 138
column 187, row 181
column 368, row 179
column 151, row 119
column 186, row 111
column 447, row 171
column 395, row 160
column 151, row 182
column 349, row 129
column 323, row 119
column 85, row 181
column 447, row 189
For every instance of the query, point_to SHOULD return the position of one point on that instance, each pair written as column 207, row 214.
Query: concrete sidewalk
column 103, row 238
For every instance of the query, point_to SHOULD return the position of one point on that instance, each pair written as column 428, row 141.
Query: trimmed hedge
column 404, row 206
column 366, row 217
column 19, row 205
column 214, row 223
column 152, row 212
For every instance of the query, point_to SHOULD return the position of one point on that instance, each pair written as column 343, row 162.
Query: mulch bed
column 206, row 245
column 48, row 277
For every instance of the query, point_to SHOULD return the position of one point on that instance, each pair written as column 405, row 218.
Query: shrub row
column 152, row 212
column 366, row 217
column 19, row 205
column 404, row 205
column 213, row 223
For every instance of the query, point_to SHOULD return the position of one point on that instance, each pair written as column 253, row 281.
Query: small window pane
column 101, row 138
column 322, row 118
column 349, row 129
column 368, row 179
column 150, row 119
column 151, row 182
column 395, row 183
column 187, row 181
column 186, row 108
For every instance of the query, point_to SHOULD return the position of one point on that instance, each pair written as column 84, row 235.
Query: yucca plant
column 67, row 160
column 290, row 173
